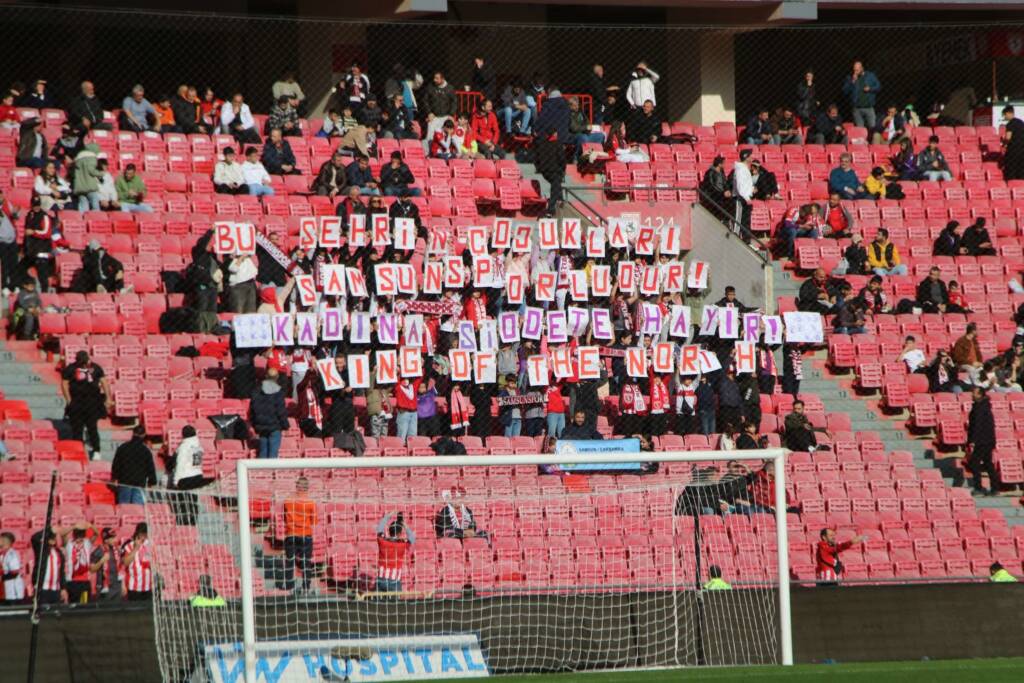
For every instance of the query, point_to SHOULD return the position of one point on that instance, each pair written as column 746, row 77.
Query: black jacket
column 947, row 244
column 973, row 238
column 357, row 176
column 553, row 120
column 641, row 128
column 133, row 464
column 443, row 522
column 402, row 209
column 267, row 412
column 807, row 298
column 330, row 177
column 585, row 433
column 856, row 259
column 483, row 81
column 440, row 100
column 981, row 425
column 99, row 268
column 924, row 292
column 400, row 177
column 184, row 114
column 274, row 158
column 90, row 108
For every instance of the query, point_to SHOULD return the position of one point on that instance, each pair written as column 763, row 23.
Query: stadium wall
column 869, row 623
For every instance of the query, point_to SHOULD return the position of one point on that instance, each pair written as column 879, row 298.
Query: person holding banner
column 406, row 406
column 555, row 410
column 580, row 430
column 242, row 294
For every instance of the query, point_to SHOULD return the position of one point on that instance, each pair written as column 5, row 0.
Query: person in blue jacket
column 862, row 87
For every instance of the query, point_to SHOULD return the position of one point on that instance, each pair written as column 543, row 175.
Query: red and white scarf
column 633, row 401
column 458, row 410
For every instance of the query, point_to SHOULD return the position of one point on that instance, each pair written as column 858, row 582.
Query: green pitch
column 951, row 671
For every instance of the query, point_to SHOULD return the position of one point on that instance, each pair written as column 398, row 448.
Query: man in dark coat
column 269, row 415
column 814, row 295
column 100, row 272
column 579, row 429
column 932, row 294
column 483, row 78
column 278, row 157
column 981, row 441
column 133, row 468
column 976, row 240
column 552, row 134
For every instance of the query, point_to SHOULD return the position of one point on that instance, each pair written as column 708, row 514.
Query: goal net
column 442, row 567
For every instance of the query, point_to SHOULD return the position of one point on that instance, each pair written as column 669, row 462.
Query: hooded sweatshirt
column 87, row 177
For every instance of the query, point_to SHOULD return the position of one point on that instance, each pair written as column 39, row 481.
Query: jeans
column 901, row 269
column 389, row 585
column 406, row 423
column 510, row 114
column 515, row 427
column 707, row 422
column 298, row 552
column 34, row 162
column 397, row 191
column 851, row 330
column 270, row 444
column 790, row 232
column 556, row 423
column 937, row 175
column 129, row 495
column 369, row 191
column 582, row 138
column 759, row 141
column 864, row 117
column 89, row 201
column 137, row 208
column 260, row 190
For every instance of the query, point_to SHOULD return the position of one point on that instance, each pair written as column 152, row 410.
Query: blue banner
column 573, row 447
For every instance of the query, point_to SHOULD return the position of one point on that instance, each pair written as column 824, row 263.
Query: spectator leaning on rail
column 862, row 88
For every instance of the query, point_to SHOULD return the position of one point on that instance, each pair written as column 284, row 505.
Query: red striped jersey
column 391, row 558
column 76, row 560
column 53, row 572
column 138, row 573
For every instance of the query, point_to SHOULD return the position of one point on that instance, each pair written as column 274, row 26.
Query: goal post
column 743, row 609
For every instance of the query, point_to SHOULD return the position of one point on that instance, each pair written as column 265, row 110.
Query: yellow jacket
column 717, row 585
column 875, row 186
column 1003, row 576
column 883, row 256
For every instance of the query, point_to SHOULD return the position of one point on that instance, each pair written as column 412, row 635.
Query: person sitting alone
column 716, row 582
column 800, row 433
column 100, row 272
column 455, row 519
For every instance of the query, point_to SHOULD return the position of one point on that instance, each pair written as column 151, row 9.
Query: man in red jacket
column 486, row 131
column 829, row 567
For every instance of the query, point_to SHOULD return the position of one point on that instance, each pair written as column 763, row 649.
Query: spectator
column 892, row 129
column 9, row 117
column 843, row 180
column 828, row 128
column 187, row 114
column 766, row 186
column 269, row 415
column 716, row 582
column 684, row 394
column 644, row 125
column 210, row 108
column 37, row 97
column 579, row 429
column 884, row 257
column 331, row 179
column 957, row 301
column 427, row 423
column 87, row 178
column 874, row 297
column 742, row 192
column 911, row 356
column 278, row 157
column 8, row 242
column 483, row 80
column 236, row 119
column 1013, row 145
column 786, row 127
column 730, row 400
column 396, row 179
column 759, row 129
column 40, row 228
column 875, row 184
column 77, row 560
column 849, row 316
column 799, row 432
column 52, row 190
column 439, row 103
column 861, row 88
column 641, row 86
column 976, row 240
column 11, row 569
column 228, row 177
column 830, row 568
column 136, row 561
column 405, row 208
column 370, row 116
column 516, row 110
column 392, row 549
column 299, row 519
column 68, row 145
column 715, row 188
column 998, row 574
column 948, row 243
column 49, row 561
column 86, row 110
column 981, row 441
column 85, row 389
column 398, row 124
column 287, row 86
column 137, row 114
column 555, row 409
column 931, row 163
column 942, row 375
column 108, row 188
column 967, row 354
column 707, row 405
column 806, row 98
column 748, row 439
column 187, row 472
column 242, row 294
column 356, row 87
column 132, row 469
column 254, row 175
column 800, row 222
column 284, row 117
column 596, row 89
column 487, row 132
column 412, row 81
column 131, row 190
column 105, row 563
column 580, row 128
column 814, row 295
column 358, row 174
column 932, row 295
column 32, row 146
column 351, row 205
column 729, row 300
column 455, row 519
column 510, row 416
column 551, row 134
column 855, row 261
column 407, row 405
column 165, row 116
column 100, row 272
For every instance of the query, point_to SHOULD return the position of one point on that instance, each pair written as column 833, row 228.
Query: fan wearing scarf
column 455, row 519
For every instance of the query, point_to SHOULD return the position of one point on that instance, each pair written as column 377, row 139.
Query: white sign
column 803, row 327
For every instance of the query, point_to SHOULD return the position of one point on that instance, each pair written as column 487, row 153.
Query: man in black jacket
column 269, row 415
column 404, row 208
column 932, row 295
column 828, row 128
column 331, row 178
column 579, row 430
column 644, row 126
column 814, row 295
column 86, row 110
column 551, row 136
column 596, row 90
column 948, row 241
column 133, row 469
column 396, row 179
column 981, row 440
column 100, row 272
column 185, row 112
column 976, row 240
column 439, row 104
column 278, row 157
column 483, row 79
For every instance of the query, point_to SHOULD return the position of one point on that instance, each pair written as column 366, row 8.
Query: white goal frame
column 243, row 467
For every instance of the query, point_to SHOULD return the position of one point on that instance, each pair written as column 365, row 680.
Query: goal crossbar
column 243, row 467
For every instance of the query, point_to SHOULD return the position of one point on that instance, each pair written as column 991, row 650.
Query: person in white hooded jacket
column 641, row 87
column 188, row 475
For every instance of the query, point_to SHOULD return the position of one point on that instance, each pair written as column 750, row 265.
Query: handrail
column 734, row 228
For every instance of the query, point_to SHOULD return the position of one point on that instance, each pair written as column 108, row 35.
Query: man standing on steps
column 981, row 440
column 87, row 394
column 551, row 135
